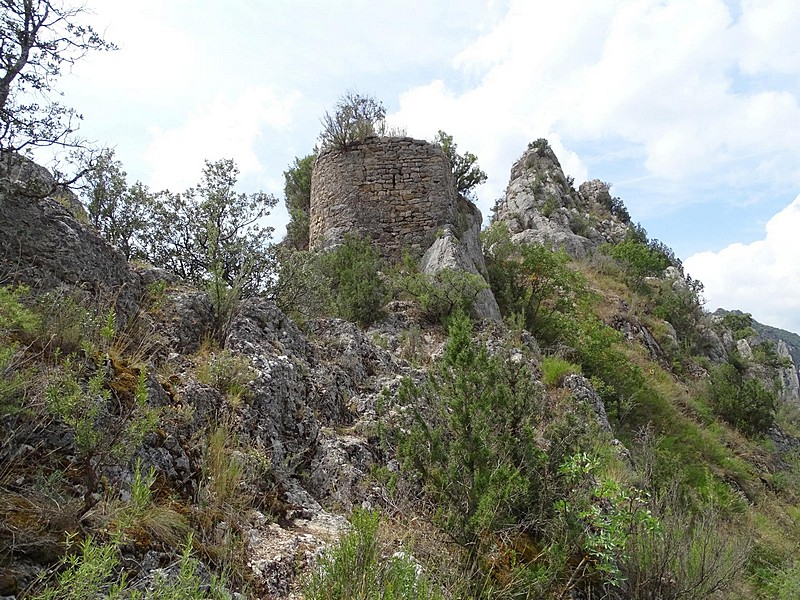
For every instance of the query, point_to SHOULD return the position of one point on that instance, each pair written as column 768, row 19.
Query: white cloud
column 222, row 128
column 762, row 278
column 666, row 77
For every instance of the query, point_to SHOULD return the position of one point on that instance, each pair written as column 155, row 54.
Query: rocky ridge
column 541, row 206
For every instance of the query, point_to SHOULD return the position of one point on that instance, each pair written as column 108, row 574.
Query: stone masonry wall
column 398, row 191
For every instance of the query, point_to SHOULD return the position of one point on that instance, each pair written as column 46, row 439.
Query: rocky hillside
column 607, row 438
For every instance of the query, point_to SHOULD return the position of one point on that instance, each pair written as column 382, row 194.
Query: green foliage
column 599, row 350
column 107, row 426
column 88, row 574
column 358, row 290
column 602, row 519
column 740, row 324
column 355, row 118
column 639, row 260
column 227, row 372
column 15, row 317
column 302, row 289
column 93, row 572
column 297, row 195
column 444, row 293
column 680, row 303
column 555, row 369
column 533, row 281
column 466, row 172
column 17, row 323
column 744, row 403
column 473, row 441
column 356, row 570
column 115, row 210
column 211, row 234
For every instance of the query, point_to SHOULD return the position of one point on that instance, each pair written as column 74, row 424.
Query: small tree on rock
column 297, row 195
column 356, row 117
column 466, row 172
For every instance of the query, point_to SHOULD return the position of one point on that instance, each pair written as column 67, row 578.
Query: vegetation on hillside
column 506, row 481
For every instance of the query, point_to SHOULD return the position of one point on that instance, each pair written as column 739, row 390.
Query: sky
column 690, row 108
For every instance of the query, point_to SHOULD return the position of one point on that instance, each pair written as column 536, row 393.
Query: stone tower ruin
column 399, row 192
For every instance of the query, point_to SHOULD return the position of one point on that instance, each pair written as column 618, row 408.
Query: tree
column 38, row 38
column 297, row 195
column 114, row 209
column 211, row 234
column 353, row 272
column 532, row 281
column 466, row 172
column 356, row 117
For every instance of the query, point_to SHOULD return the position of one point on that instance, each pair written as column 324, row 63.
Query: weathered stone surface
column 450, row 252
column 44, row 246
column 186, row 318
column 396, row 191
column 400, row 193
column 582, row 389
column 542, row 207
column 790, row 383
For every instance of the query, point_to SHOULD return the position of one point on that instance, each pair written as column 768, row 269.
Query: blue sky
column 691, row 108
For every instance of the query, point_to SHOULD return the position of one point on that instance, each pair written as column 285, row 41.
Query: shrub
column 639, row 260
column 302, row 289
column 107, row 424
column 93, row 572
column 357, row 287
column 534, row 281
column 444, row 293
column 356, row 117
column 473, row 441
column 555, row 369
column 744, row 403
column 466, row 172
column 354, row 569
column 228, row 373
column 297, row 196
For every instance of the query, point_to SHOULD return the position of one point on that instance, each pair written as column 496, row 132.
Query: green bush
column 302, row 289
column 744, row 403
column 107, row 425
column 639, row 259
column 358, row 289
column 555, row 369
column 227, row 373
column 94, row 572
column 444, row 293
column 476, row 442
column 533, row 281
column 355, row 569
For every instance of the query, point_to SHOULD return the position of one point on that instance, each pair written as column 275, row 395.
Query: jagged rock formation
column 542, row 207
column 43, row 246
column 400, row 193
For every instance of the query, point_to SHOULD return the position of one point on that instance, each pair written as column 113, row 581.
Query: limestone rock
column 582, row 389
column 43, row 245
column 790, row 383
column 542, row 207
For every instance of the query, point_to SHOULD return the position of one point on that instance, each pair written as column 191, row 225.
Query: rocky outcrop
column 542, row 207
column 582, row 390
column 462, row 251
column 44, row 246
column 788, row 375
